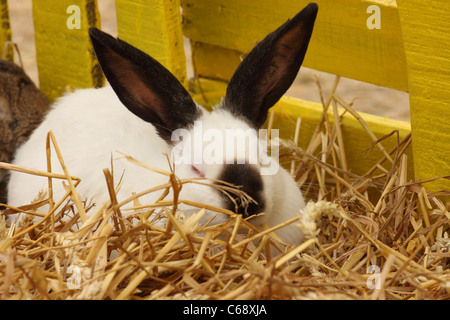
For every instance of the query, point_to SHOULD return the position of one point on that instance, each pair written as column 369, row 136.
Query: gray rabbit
column 22, row 109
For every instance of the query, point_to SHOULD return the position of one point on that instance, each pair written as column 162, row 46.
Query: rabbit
column 22, row 108
column 143, row 107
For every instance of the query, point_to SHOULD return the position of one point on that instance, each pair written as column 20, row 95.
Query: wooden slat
column 356, row 140
column 341, row 42
column 5, row 30
column 214, row 62
column 65, row 57
column 155, row 28
column 426, row 34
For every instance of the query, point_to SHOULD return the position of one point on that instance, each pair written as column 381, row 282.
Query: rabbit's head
column 224, row 145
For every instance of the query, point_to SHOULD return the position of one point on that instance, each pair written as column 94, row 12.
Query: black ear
column 143, row 85
column 270, row 68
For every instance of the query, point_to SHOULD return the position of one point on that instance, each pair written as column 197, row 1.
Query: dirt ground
column 369, row 98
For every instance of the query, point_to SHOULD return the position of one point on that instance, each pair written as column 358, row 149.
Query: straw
column 390, row 243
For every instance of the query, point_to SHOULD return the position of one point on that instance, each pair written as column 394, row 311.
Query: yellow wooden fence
column 409, row 51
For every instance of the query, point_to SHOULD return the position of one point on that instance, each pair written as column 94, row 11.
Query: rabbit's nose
column 248, row 199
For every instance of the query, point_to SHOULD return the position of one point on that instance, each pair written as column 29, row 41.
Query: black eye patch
column 248, row 179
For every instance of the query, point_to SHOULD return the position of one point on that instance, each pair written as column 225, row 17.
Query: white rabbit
column 90, row 125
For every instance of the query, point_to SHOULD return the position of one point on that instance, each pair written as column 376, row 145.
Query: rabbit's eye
column 198, row 171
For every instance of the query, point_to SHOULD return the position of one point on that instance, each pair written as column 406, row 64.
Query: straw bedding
column 376, row 236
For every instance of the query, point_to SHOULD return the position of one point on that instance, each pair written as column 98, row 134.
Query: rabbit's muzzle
column 248, row 199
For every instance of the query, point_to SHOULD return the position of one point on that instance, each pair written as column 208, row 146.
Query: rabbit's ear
column 143, row 85
column 270, row 68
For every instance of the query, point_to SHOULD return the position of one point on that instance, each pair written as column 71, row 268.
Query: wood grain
column 426, row 35
column 341, row 42
column 65, row 57
column 155, row 28
column 5, row 30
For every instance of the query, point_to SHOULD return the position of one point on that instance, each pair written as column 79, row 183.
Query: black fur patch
column 248, row 179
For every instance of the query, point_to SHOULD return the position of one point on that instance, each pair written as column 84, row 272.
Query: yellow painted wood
column 214, row 62
column 64, row 55
column 391, row 3
column 207, row 92
column 5, row 29
column 426, row 34
column 155, row 28
column 341, row 42
column 355, row 138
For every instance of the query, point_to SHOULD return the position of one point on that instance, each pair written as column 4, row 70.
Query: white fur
column 90, row 125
